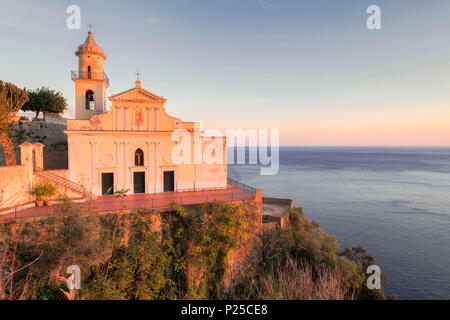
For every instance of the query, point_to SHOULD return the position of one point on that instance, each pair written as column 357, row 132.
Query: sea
column 393, row 201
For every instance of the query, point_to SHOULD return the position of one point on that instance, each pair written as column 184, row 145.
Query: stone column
column 38, row 161
column 119, row 152
column 158, row 177
column 95, row 186
column 118, row 119
column 179, row 166
column 71, row 155
column 150, row 166
column 126, row 118
column 26, row 160
column 127, row 166
column 149, row 118
column 157, row 118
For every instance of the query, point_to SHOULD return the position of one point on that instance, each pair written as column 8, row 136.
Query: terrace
column 235, row 191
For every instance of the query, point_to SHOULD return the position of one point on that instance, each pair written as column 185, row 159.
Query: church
column 135, row 146
column 131, row 147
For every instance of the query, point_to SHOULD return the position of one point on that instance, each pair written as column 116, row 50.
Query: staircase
column 60, row 181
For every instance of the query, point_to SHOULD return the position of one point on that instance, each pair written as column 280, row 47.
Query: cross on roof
column 138, row 74
column 90, row 27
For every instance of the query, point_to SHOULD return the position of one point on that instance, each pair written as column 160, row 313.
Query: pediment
column 137, row 95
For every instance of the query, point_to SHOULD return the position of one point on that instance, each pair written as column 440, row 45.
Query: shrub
column 297, row 281
column 44, row 190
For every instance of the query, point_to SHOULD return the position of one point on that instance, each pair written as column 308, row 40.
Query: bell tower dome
column 91, row 82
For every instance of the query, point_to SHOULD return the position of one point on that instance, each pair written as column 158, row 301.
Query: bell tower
column 90, row 80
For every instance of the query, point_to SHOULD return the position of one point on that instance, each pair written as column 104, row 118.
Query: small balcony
column 88, row 75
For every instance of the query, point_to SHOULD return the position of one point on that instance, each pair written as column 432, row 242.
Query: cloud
column 266, row 5
column 152, row 20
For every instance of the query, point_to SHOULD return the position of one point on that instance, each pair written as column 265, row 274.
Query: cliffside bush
column 301, row 260
column 122, row 256
column 203, row 237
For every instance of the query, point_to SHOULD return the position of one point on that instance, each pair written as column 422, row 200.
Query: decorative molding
column 138, row 95
column 107, row 159
column 167, row 158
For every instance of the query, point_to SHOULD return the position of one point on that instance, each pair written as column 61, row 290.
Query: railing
column 51, row 177
column 111, row 203
column 89, row 75
column 242, row 186
column 158, row 201
column 199, row 189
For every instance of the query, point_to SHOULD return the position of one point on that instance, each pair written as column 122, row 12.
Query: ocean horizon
column 393, row 201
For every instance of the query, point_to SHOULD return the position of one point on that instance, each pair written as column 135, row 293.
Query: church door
column 169, row 181
column 139, row 182
column 107, row 183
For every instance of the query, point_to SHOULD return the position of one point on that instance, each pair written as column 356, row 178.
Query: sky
column 310, row 68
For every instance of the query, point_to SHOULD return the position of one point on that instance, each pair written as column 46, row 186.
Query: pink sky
column 309, row 68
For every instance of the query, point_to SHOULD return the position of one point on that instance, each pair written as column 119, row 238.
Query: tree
column 203, row 238
column 11, row 101
column 46, row 101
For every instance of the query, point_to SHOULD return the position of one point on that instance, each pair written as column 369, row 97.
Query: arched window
column 89, row 72
column 139, row 158
column 90, row 100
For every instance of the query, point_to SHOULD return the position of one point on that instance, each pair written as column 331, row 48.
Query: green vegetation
column 301, row 261
column 124, row 256
column 121, row 256
column 11, row 100
column 44, row 190
column 46, row 101
column 203, row 238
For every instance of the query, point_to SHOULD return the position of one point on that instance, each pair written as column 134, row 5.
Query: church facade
column 135, row 146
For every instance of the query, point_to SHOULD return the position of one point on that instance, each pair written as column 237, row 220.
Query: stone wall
column 13, row 186
column 49, row 133
column 16, row 182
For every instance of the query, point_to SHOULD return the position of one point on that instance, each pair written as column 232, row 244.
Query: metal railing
column 51, row 177
column 242, row 186
column 164, row 201
column 89, row 75
column 158, row 201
